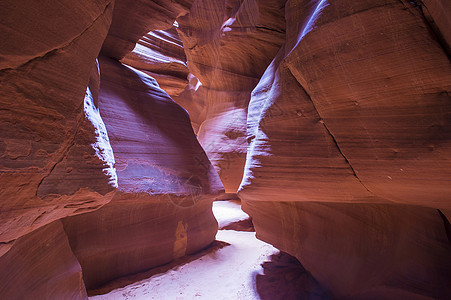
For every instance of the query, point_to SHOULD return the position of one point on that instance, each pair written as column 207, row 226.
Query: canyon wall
column 332, row 119
column 350, row 145
column 77, row 136
column 228, row 45
column 49, row 166
column 162, row 209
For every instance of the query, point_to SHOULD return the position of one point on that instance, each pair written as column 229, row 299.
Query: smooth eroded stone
column 349, row 155
column 436, row 13
column 228, row 45
column 51, row 161
column 362, row 251
column 160, row 54
column 41, row 265
column 133, row 19
column 382, row 90
column 353, row 108
column 165, row 183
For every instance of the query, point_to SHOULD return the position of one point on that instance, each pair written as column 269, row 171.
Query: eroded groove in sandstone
column 333, row 139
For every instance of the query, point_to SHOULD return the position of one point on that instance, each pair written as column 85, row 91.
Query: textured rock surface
column 345, row 90
column 228, row 46
column 165, row 183
column 347, row 138
column 362, row 251
column 133, row 19
column 49, row 165
column 41, row 265
column 437, row 14
column 354, row 112
column 160, row 54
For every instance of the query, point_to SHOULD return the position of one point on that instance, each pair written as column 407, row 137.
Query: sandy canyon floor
column 236, row 266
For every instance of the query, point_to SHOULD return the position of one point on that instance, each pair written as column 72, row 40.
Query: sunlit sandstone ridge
column 332, row 120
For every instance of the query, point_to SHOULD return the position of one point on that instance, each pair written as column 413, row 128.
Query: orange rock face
column 133, row 19
column 160, row 54
column 41, row 265
column 49, row 166
column 165, row 183
column 350, row 121
column 339, row 113
column 228, row 46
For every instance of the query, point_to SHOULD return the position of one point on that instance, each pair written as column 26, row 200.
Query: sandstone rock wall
column 49, row 169
column 165, row 183
column 59, row 158
column 228, row 45
column 41, row 265
column 160, row 54
column 436, row 13
column 133, row 19
column 345, row 139
column 351, row 120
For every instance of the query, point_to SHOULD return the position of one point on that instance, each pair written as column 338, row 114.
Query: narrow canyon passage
column 123, row 123
column 237, row 266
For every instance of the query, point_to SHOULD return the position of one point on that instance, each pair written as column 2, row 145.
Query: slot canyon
column 225, row 149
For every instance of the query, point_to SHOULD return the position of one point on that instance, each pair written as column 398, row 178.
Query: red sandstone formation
column 165, row 183
column 41, row 265
column 347, row 137
column 436, row 13
column 228, row 46
column 355, row 109
column 160, row 55
column 133, row 19
column 56, row 157
column 50, row 163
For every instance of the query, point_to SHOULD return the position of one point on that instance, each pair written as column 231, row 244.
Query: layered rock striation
column 228, row 45
column 133, row 19
column 160, row 54
column 41, row 265
column 70, row 145
column 166, row 184
column 338, row 112
column 49, row 167
column 349, row 151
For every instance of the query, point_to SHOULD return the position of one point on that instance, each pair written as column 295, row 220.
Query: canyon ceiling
column 121, row 121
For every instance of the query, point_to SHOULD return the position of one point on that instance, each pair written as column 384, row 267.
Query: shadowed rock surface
column 355, row 108
column 339, row 113
column 50, row 166
column 166, row 184
column 285, row 278
column 41, row 265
